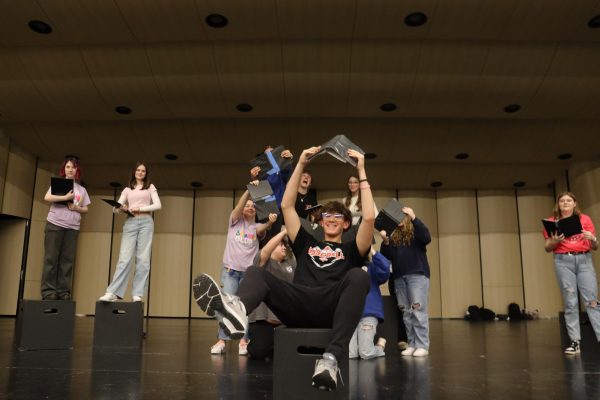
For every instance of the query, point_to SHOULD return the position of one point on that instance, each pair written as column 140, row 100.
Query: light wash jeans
column 412, row 293
column 361, row 344
column 135, row 241
column 230, row 280
column 577, row 272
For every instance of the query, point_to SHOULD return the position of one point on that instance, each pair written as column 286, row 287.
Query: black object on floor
column 119, row 325
column 45, row 324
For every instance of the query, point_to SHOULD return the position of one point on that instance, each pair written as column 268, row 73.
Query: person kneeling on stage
column 329, row 287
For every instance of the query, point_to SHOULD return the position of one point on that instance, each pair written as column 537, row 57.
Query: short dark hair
column 337, row 207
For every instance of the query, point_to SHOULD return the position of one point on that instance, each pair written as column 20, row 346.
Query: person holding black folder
column 574, row 268
column 62, row 229
column 329, row 287
column 406, row 248
column 139, row 200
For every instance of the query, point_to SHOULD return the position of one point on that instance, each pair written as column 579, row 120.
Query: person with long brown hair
column 574, row 268
column 62, row 229
column 140, row 198
column 406, row 248
column 353, row 202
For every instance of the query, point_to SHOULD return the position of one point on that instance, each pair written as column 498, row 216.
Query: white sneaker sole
column 208, row 296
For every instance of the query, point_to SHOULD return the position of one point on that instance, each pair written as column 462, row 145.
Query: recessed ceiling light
column 40, row 27
column 387, row 107
column 216, row 21
column 115, row 184
column 415, row 19
column 564, row 156
column 196, row 184
column 123, row 110
column 171, row 157
column 519, row 184
column 244, row 107
column 370, row 156
column 594, row 22
column 512, row 108
column 461, row 156
column 436, row 184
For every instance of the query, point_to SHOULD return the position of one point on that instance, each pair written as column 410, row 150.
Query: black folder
column 338, row 147
column 567, row 226
column 265, row 164
column 116, row 204
column 60, row 187
column 264, row 200
column 388, row 219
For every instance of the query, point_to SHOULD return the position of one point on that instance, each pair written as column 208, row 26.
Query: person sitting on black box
column 328, row 274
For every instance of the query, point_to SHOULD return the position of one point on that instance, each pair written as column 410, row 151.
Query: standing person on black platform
column 62, row 229
column 307, row 197
column 574, row 268
column 406, row 248
column 329, row 286
column 140, row 199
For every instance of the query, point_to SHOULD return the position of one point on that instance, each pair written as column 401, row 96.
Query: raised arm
column 364, row 236
column 267, row 250
column 288, row 203
column 239, row 208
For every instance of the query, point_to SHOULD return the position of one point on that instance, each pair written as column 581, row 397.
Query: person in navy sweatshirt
column 406, row 248
column 362, row 343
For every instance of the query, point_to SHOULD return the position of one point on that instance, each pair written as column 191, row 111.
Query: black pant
column 59, row 257
column 402, row 336
column 261, row 335
column 338, row 306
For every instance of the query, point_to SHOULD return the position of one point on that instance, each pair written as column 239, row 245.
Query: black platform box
column 45, row 324
column 295, row 353
column 118, row 325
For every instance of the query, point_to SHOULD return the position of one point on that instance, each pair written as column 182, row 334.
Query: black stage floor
column 496, row 360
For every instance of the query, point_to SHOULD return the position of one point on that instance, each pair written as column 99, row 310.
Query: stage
column 495, row 360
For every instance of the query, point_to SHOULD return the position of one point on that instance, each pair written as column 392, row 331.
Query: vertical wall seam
column 479, row 242
column 520, row 249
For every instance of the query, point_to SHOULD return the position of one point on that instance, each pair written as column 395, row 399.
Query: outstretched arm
column 239, row 208
column 288, row 203
column 364, row 236
column 267, row 250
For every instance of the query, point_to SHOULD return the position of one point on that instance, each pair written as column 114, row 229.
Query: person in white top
column 139, row 199
column 352, row 200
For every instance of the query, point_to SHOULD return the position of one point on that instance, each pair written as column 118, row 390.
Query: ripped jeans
column 362, row 343
column 575, row 272
column 412, row 293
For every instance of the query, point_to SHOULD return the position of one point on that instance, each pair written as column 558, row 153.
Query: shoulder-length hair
column 133, row 181
column 349, row 195
column 75, row 161
column 556, row 209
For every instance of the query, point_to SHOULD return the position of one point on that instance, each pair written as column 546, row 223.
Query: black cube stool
column 45, row 324
column 119, row 325
column 589, row 343
column 295, row 353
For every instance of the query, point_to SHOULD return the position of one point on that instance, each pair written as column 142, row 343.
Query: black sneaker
column 573, row 348
column 228, row 309
column 326, row 371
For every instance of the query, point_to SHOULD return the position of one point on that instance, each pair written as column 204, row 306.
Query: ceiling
column 310, row 69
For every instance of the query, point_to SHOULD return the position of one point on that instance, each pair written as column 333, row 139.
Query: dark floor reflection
column 467, row 361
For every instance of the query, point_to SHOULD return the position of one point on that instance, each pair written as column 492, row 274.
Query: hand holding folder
column 61, row 187
column 116, row 204
column 264, row 200
column 338, row 147
column 271, row 162
column 390, row 217
column 569, row 226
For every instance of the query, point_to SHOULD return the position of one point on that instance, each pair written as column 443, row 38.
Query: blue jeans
column 412, row 293
column 136, row 241
column 230, row 280
column 575, row 272
column 361, row 344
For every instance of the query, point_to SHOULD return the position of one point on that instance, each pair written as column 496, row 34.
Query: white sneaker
column 243, row 348
column 108, row 297
column 408, row 352
column 381, row 343
column 326, row 371
column 218, row 348
column 420, row 352
column 228, row 309
column 137, row 298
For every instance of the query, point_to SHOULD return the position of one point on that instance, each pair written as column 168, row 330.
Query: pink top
column 575, row 243
column 60, row 215
column 147, row 200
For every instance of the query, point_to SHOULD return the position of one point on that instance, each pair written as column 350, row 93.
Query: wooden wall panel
column 93, row 253
column 169, row 289
column 424, row 205
column 4, row 146
column 500, row 251
column 12, row 234
column 539, row 279
column 460, row 270
column 19, row 184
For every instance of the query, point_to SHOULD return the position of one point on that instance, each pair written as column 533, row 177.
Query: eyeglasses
column 331, row 215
